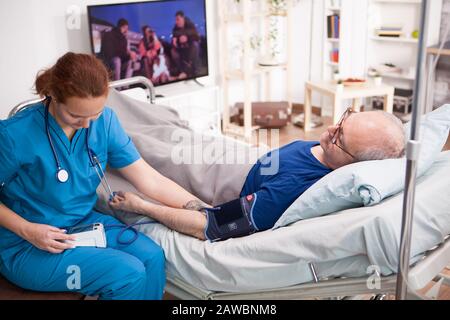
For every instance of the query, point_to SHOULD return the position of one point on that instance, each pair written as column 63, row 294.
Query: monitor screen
column 164, row 41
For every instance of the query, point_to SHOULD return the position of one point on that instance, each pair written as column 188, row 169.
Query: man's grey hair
column 392, row 144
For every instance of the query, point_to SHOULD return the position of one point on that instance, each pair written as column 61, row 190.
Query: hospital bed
column 308, row 270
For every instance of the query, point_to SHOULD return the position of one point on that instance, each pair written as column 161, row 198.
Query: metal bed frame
column 422, row 272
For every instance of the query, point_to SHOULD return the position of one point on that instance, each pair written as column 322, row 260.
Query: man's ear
column 447, row 144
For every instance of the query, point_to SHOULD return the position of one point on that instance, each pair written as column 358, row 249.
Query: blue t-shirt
column 279, row 178
column 28, row 168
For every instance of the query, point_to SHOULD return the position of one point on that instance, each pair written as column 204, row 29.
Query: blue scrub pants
column 119, row 272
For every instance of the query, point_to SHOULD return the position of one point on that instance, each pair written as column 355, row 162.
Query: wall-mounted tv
column 165, row 41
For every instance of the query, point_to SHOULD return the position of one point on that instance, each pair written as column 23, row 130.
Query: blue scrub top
column 298, row 169
column 29, row 168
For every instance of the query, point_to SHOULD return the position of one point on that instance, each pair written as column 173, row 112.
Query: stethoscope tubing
column 92, row 156
column 50, row 140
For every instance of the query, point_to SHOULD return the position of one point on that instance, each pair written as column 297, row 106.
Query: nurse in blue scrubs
column 49, row 185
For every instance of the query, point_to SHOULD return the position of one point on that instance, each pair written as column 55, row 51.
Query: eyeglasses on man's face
column 338, row 133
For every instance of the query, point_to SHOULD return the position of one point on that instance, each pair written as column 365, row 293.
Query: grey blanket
column 213, row 168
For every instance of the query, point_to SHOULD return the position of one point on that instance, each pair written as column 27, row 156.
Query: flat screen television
column 165, row 41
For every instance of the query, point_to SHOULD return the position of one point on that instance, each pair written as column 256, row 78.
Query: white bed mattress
column 344, row 244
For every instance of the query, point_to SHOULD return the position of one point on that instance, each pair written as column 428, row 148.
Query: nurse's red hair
column 73, row 75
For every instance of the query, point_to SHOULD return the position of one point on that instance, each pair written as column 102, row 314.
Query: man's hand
column 48, row 238
column 127, row 201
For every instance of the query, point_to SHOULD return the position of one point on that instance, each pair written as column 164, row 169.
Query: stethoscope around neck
column 62, row 175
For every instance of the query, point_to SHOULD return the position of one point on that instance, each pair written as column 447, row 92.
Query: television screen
column 164, row 41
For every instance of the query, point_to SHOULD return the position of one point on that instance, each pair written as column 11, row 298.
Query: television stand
column 197, row 82
column 195, row 102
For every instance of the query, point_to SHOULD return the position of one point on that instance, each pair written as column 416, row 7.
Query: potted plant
column 277, row 7
column 377, row 80
column 237, row 6
column 336, row 75
column 237, row 52
column 340, row 85
column 255, row 45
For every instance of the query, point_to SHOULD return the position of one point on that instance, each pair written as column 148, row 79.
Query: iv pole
column 412, row 155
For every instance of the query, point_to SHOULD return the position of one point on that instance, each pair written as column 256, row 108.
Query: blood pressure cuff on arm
column 230, row 220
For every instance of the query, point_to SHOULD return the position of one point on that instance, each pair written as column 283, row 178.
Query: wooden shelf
column 266, row 68
column 256, row 71
column 256, row 15
column 333, row 39
column 395, row 39
column 435, row 49
column 333, row 64
column 334, row 9
column 394, row 75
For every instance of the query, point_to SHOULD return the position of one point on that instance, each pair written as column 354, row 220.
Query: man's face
column 179, row 21
column 357, row 133
column 354, row 133
column 124, row 30
column 77, row 113
column 334, row 156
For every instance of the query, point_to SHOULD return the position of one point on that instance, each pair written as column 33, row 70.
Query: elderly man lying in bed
column 357, row 137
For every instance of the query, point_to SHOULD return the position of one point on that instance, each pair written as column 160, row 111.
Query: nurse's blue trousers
column 119, row 272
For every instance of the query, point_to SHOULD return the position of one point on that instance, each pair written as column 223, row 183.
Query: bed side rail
column 23, row 105
column 136, row 81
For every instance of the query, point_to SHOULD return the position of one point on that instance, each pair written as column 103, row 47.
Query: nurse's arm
column 42, row 236
column 12, row 221
column 154, row 185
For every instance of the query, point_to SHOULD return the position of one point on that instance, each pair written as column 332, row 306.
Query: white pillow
column 367, row 183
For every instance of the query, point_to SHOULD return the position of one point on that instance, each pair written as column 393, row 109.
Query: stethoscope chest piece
column 62, row 176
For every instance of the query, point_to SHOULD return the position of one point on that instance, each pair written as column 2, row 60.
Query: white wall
column 34, row 35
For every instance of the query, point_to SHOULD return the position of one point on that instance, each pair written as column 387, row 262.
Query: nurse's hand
column 128, row 201
column 48, row 238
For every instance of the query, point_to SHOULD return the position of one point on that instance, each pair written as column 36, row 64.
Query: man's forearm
column 189, row 222
column 155, row 186
column 173, row 195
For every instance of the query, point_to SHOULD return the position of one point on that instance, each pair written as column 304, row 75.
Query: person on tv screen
column 149, row 49
column 161, row 72
column 115, row 51
column 185, row 46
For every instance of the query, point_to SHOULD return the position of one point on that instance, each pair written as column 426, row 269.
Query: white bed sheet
column 344, row 244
